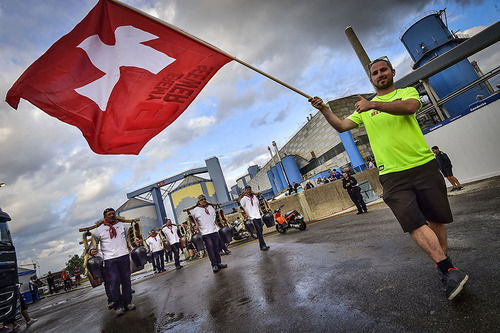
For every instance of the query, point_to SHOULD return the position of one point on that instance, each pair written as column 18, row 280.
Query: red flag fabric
column 119, row 76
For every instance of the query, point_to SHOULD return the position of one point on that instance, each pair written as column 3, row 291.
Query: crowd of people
column 111, row 240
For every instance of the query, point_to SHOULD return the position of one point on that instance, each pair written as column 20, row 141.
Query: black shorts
column 417, row 195
column 447, row 172
column 190, row 246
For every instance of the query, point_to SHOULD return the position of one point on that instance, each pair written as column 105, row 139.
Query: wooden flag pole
column 212, row 47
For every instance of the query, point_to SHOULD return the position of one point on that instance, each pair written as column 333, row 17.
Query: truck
column 9, row 290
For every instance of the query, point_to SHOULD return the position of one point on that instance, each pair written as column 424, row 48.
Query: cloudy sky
column 57, row 184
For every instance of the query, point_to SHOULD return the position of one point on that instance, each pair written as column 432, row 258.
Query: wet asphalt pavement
column 351, row 273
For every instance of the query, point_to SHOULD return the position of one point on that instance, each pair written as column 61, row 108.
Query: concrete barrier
column 321, row 201
column 327, row 199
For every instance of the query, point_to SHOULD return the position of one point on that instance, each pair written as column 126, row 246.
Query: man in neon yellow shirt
column 413, row 186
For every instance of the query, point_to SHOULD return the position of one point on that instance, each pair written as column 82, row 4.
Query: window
column 5, row 233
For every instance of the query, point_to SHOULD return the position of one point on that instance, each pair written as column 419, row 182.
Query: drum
column 226, row 234
column 197, row 240
column 268, row 219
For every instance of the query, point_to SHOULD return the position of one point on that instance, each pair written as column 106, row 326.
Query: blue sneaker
column 455, row 281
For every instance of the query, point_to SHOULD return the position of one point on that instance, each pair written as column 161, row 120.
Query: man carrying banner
column 111, row 237
column 250, row 203
column 204, row 215
column 413, row 186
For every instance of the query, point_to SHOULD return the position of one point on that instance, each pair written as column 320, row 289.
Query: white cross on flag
column 119, row 76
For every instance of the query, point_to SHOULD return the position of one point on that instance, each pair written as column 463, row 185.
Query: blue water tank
column 281, row 175
column 292, row 169
column 278, row 176
column 273, row 181
column 357, row 161
column 427, row 39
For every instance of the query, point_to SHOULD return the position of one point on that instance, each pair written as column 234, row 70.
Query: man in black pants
column 170, row 231
column 250, row 204
column 204, row 215
column 155, row 245
column 351, row 185
column 111, row 236
column 446, row 168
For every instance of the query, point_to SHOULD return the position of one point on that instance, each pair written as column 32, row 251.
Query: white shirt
column 155, row 245
column 112, row 247
column 205, row 221
column 251, row 206
column 171, row 234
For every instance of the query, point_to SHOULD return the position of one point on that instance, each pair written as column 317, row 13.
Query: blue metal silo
column 292, row 169
column 427, row 39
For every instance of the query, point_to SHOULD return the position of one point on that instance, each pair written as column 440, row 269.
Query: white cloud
column 200, row 123
column 58, row 248
column 474, row 30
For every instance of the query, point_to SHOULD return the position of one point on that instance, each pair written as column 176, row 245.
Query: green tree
column 73, row 263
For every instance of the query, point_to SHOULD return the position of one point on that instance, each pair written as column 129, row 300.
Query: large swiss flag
column 119, row 76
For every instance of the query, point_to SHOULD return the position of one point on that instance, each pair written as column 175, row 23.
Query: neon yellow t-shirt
column 397, row 141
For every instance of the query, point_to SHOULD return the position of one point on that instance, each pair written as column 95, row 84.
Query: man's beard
column 389, row 83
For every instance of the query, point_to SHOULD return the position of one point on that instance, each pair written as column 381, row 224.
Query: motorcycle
column 240, row 232
column 292, row 219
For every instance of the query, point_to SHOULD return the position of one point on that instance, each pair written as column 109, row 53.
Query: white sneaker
column 120, row 312
column 130, row 307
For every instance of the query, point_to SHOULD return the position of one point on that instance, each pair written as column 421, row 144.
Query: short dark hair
column 384, row 58
column 435, row 147
column 107, row 210
column 248, row 186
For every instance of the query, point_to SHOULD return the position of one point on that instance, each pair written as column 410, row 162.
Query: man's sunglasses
column 384, row 58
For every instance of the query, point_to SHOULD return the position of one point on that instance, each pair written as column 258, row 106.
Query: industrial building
column 181, row 190
column 314, row 148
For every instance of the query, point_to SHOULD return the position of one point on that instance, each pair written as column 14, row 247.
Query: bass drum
column 198, row 242
column 226, row 234
column 139, row 256
column 268, row 219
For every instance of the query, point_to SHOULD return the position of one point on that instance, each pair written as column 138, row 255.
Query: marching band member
column 204, row 216
column 156, row 247
column 170, row 231
column 111, row 235
column 250, row 204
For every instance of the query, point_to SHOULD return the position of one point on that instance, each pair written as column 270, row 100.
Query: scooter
column 292, row 219
column 239, row 231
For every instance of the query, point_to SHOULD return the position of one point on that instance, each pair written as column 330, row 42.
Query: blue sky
column 57, row 184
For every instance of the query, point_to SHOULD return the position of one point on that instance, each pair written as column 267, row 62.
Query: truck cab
column 9, row 291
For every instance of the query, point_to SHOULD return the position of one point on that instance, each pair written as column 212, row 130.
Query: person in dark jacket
column 445, row 167
column 351, row 185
